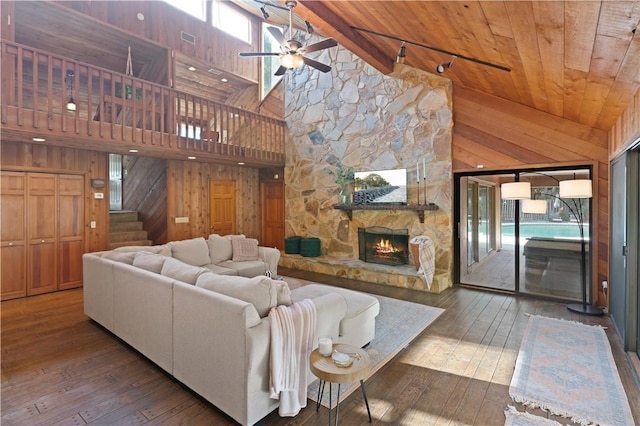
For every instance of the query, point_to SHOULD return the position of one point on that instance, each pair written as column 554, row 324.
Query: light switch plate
column 98, row 195
column 184, row 219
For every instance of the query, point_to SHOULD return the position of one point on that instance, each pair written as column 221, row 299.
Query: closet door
column 42, row 235
column 13, row 252
column 70, row 231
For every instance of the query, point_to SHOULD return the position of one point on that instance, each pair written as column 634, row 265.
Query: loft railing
column 127, row 112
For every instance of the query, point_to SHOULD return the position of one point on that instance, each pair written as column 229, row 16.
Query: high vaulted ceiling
column 574, row 59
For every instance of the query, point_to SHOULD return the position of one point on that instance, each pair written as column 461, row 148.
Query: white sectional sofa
column 210, row 331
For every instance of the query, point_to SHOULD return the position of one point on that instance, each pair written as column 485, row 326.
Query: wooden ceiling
column 574, row 59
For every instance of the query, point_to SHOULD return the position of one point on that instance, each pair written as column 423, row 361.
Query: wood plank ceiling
column 579, row 60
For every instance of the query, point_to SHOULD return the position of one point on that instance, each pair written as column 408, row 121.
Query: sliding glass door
column 504, row 245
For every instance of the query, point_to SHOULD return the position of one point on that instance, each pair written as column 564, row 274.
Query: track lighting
column 265, row 15
column 401, row 54
column 309, row 27
column 440, row 68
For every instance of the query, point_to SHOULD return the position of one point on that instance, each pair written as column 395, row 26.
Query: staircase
column 126, row 230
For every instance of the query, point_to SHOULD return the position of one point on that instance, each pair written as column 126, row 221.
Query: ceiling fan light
column 576, row 188
column 534, row 206
column 291, row 61
column 515, row 191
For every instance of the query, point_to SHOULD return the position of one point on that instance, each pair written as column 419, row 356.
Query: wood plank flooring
column 60, row 368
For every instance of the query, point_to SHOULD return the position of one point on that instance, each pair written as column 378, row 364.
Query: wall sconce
column 71, row 104
column 440, row 68
column 402, row 53
column 265, row 15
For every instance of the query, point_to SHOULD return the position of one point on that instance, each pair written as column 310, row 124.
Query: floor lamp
column 573, row 189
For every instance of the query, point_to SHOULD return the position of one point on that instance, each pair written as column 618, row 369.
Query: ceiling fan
column 292, row 55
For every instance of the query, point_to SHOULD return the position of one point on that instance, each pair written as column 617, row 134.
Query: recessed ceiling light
column 224, row 80
column 38, row 139
column 140, row 16
column 241, row 163
column 480, row 166
column 191, row 68
column 191, row 158
column 133, row 150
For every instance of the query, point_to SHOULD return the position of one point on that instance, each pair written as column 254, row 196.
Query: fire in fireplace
column 378, row 244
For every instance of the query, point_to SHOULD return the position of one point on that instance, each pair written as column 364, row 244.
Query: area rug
column 567, row 368
column 397, row 324
column 514, row 417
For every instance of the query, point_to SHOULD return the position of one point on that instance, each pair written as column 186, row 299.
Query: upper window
column 270, row 64
column 230, row 21
column 195, row 8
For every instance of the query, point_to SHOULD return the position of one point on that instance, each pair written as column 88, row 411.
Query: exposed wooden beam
column 333, row 26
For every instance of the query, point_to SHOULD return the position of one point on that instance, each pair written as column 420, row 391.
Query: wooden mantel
column 419, row 208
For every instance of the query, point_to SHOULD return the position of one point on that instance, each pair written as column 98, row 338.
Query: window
column 195, row 8
column 270, row 64
column 230, row 21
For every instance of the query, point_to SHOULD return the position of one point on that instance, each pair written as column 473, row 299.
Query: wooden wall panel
column 188, row 195
column 144, row 189
column 501, row 135
column 627, row 128
column 163, row 24
column 91, row 164
column 7, row 30
column 273, row 103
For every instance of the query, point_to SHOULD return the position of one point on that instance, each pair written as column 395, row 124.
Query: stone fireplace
column 382, row 245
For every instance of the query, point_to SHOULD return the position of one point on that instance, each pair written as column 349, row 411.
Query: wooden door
column 42, row 233
column 13, row 248
column 273, row 214
column 70, row 231
column 222, row 207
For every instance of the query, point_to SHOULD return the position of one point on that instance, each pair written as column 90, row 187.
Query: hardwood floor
column 60, row 368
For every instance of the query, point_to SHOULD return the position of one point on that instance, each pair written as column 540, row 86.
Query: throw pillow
column 124, row 256
column 194, row 251
column 259, row 291
column 283, row 292
column 149, row 261
column 181, row 271
column 148, row 249
column 244, row 249
column 219, row 248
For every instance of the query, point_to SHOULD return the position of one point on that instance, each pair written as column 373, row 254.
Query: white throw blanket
column 292, row 335
column 427, row 254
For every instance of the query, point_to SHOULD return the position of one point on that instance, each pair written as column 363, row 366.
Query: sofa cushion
column 219, row 249
column 249, row 268
column 150, row 261
column 194, row 251
column 244, row 249
column 117, row 256
column 259, row 291
column 163, row 249
column 181, row 271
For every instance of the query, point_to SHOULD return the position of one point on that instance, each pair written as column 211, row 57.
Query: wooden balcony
column 122, row 114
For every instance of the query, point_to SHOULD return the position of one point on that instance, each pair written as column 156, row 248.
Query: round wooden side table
column 326, row 370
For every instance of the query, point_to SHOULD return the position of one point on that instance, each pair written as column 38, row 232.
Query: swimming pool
column 545, row 230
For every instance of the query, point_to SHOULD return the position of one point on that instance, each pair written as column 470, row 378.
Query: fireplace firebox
column 378, row 244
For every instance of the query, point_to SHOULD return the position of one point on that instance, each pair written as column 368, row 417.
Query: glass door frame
column 516, row 177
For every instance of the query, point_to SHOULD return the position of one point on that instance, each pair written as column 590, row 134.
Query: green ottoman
column 310, row 247
column 292, row 245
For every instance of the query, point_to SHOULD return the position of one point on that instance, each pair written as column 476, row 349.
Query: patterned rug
column 514, row 417
column 397, row 324
column 568, row 369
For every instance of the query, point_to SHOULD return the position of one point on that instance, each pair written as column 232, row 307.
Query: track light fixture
column 440, row 68
column 265, row 15
column 402, row 53
column 307, row 24
column 435, row 49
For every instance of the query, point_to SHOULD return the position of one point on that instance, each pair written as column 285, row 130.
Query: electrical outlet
column 98, row 195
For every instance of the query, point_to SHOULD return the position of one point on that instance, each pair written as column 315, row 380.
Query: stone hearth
column 405, row 276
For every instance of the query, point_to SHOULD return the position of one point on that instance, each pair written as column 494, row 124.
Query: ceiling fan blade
column 315, row 64
column 281, row 70
column 324, row 44
column 277, row 34
column 258, row 54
